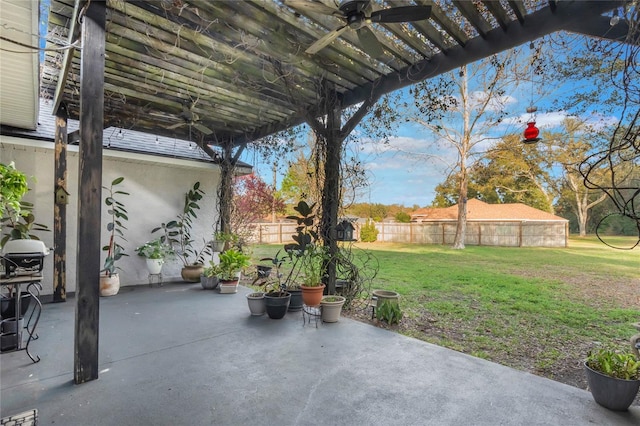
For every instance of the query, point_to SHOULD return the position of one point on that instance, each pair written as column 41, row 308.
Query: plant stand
column 311, row 313
column 155, row 278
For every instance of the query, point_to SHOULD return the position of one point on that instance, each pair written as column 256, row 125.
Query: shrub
column 369, row 233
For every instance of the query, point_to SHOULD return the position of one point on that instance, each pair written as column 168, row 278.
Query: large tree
column 459, row 114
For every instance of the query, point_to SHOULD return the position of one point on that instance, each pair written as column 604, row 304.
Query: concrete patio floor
column 179, row 355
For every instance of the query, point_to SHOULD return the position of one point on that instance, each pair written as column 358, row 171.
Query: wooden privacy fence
column 507, row 233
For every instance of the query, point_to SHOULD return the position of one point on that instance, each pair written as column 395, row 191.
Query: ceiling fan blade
column 326, row 40
column 313, row 6
column 202, row 128
column 401, row 14
column 175, row 126
column 369, row 42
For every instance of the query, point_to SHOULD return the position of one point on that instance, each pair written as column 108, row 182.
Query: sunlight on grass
column 530, row 308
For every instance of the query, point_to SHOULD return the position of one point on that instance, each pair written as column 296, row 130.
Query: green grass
column 530, row 308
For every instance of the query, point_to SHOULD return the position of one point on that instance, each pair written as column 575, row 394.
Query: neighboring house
column 515, row 225
column 479, row 210
column 157, row 184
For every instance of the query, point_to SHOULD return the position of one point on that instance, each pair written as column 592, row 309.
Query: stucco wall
column 157, row 186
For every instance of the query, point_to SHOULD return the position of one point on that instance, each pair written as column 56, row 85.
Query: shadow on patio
column 179, row 355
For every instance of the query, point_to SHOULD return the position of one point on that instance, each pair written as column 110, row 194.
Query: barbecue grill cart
column 21, row 266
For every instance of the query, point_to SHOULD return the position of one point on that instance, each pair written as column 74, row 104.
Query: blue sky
column 397, row 175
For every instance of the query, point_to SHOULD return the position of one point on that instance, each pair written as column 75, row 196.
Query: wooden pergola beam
column 538, row 24
column 87, row 323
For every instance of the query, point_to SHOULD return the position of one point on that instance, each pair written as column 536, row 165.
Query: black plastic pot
column 614, row 394
column 296, row 300
column 8, row 308
column 277, row 305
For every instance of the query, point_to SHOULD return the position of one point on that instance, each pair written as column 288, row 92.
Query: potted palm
column 109, row 279
column 155, row 253
column 613, row 377
column 232, row 262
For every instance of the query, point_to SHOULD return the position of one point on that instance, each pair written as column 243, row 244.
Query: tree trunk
column 461, row 225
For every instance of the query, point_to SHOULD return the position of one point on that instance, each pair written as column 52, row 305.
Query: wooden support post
column 89, row 192
column 60, row 207
column 331, row 189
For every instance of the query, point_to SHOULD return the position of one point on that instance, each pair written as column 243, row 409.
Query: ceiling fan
column 191, row 119
column 358, row 15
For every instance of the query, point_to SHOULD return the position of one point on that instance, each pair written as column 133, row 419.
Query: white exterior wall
column 157, row 186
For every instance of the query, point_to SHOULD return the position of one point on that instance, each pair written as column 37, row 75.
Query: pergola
column 226, row 73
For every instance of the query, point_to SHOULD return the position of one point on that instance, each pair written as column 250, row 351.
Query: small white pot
column 155, row 266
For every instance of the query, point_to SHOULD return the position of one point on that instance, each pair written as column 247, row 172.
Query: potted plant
column 209, row 278
column 256, row 302
column 331, row 308
column 155, row 253
column 613, row 377
column 232, row 262
column 276, row 296
column 313, row 262
column 13, row 186
column 177, row 233
column 110, row 280
column 223, row 240
column 308, row 255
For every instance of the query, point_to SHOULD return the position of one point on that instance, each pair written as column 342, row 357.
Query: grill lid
column 17, row 247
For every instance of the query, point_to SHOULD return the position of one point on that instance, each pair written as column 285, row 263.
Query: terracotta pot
column 312, row 296
column 191, row 273
column 109, row 285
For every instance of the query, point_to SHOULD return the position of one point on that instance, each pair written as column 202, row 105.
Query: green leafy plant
column 155, row 249
column 389, row 311
column 23, row 226
column 13, row 186
column 232, row 261
column 614, row 363
column 118, row 215
column 307, row 254
column 369, row 232
column 212, row 270
column 177, row 233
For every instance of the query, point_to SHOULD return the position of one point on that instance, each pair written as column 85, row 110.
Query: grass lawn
column 535, row 309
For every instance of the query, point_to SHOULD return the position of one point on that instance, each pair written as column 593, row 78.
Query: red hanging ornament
column 531, row 133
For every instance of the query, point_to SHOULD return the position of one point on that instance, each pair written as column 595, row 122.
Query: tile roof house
column 479, row 210
column 510, row 225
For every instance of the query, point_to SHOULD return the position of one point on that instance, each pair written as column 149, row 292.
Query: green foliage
column 232, row 261
column 309, row 255
column 614, row 363
column 118, row 215
column 389, row 311
column 13, row 186
column 369, row 232
column 177, row 233
column 403, row 217
column 23, row 226
column 155, row 249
